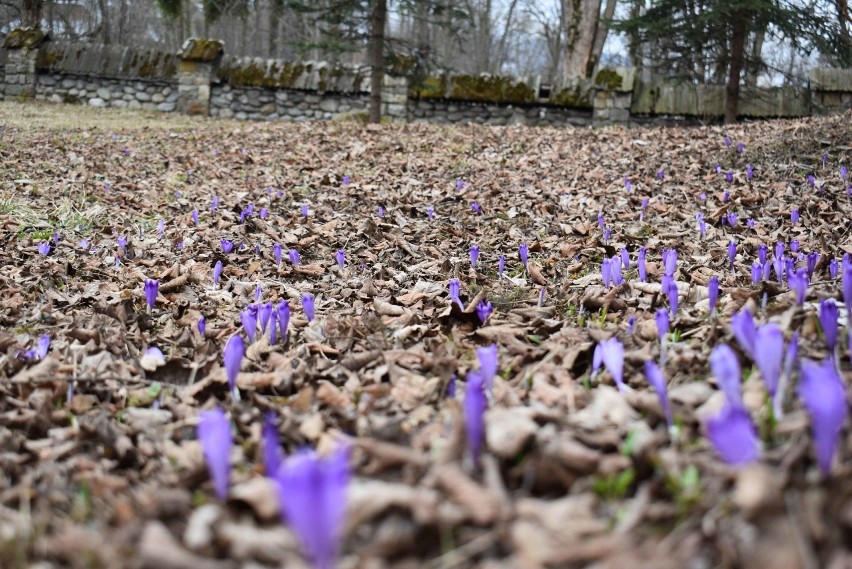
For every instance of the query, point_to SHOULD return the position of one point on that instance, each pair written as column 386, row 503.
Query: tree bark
column 378, row 17
column 601, row 32
column 106, row 34
column 31, row 13
column 581, row 21
column 735, row 67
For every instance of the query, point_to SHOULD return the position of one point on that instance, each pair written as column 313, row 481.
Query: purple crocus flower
column 381, row 212
column 713, row 292
column 762, row 251
column 278, row 253
column 607, row 234
column 523, row 253
column 727, row 140
column 597, row 359
column 732, row 253
column 702, row 224
column 202, row 326
column 844, row 173
column 662, row 319
column 264, row 315
column 812, row 260
column 669, row 261
column 828, row 314
column 264, row 213
column 671, row 290
column 644, row 207
column 272, row 455
column 749, row 172
column 631, row 323
column 615, row 271
column 794, row 245
column 217, row 273
column 459, row 185
column 475, row 404
column 283, row 316
column 661, row 174
column 455, row 290
column 799, row 283
column 248, row 317
column 294, row 257
column 846, row 286
column 756, row 272
column 152, row 287
column 658, row 381
column 612, row 353
column 42, row 346
column 430, row 212
column 194, row 217
column 340, row 256
column 742, row 325
column 44, row 247
column 312, row 491
column 214, row 434
column 476, row 209
column 451, row 386
column 625, row 259
column 811, row 181
column 717, row 168
column 474, row 255
column 85, row 245
column 740, row 147
column 488, row 364
column 543, row 291
column 232, row 358
column 726, row 196
column 732, row 218
column 601, row 223
column 308, row 306
column 729, row 176
column 484, row 310
column 832, row 268
column 824, row 396
column 733, row 436
column 258, row 292
column 304, row 210
column 214, row 204
column 627, row 185
column 346, row 180
column 161, row 228
column 769, row 355
column 726, row 370
column 640, row 264
column 122, row 243
column 606, row 271
column 227, row 246
column 794, row 216
column 501, row 265
column 750, row 223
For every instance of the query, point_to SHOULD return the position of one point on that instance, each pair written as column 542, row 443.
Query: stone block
column 135, row 105
column 329, row 104
column 97, row 102
column 166, row 107
column 143, row 96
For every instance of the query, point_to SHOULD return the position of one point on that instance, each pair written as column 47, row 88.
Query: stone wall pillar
column 395, row 99
column 830, row 90
column 22, row 47
column 613, row 96
column 199, row 61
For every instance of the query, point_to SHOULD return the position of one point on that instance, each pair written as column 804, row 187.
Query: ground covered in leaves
column 101, row 466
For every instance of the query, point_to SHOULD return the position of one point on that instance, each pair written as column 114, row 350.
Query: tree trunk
column 275, row 12
column 842, row 7
column 378, row 17
column 581, row 21
column 600, row 36
column 754, row 61
column 735, row 67
column 106, row 36
column 31, row 13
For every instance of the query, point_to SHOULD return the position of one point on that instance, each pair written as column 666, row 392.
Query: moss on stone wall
column 571, row 97
column 608, row 79
column 24, row 37
column 489, row 89
column 48, row 58
column 429, row 88
column 197, row 49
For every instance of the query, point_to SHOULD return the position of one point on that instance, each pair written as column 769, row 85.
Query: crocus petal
column 312, row 491
column 770, row 355
column 42, row 346
column 828, row 314
column 742, row 325
column 733, row 435
column 233, row 358
column 824, row 396
column 488, row 364
column 612, row 353
column 656, row 378
column 272, row 455
column 214, row 433
column 726, row 370
column 475, row 404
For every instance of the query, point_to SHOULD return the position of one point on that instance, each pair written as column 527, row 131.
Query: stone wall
column 461, row 112
column 202, row 79
column 261, row 103
column 103, row 92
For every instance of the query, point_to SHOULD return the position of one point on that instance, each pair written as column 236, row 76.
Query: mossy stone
column 20, row 38
column 197, row 49
column 490, row 89
column 609, row 79
column 571, row 97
